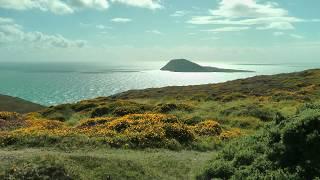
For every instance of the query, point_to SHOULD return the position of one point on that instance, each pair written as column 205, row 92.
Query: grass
column 113, row 163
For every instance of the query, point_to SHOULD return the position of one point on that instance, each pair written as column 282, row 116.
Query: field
column 233, row 130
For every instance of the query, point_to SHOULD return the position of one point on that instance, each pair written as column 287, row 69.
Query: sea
column 58, row 83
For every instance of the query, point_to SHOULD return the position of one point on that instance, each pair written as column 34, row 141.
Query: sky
column 132, row 31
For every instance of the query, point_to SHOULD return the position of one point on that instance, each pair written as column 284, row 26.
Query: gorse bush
column 134, row 130
column 165, row 108
column 94, row 122
column 119, row 108
column 10, row 121
column 7, row 116
column 287, row 149
column 208, row 127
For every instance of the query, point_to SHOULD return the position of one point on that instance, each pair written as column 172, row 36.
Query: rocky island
column 183, row 65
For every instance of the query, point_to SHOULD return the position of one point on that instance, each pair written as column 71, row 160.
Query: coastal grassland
column 167, row 132
column 87, row 163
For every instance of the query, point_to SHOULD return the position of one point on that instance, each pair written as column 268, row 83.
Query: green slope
column 13, row 104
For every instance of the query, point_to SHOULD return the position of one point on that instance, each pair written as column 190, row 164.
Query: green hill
column 298, row 85
column 13, row 104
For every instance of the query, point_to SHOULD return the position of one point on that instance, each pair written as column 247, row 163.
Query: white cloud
column 93, row 4
column 5, row 20
column 249, row 13
column 70, row 6
column 179, row 14
column 10, row 32
column 210, row 38
column 150, row 4
column 192, row 34
column 296, row 36
column 157, row 32
column 227, row 29
column 278, row 25
column 121, row 20
column 102, row 27
column 204, row 20
column 248, row 9
column 18, row 4
column 55, row 6
column 278, row 33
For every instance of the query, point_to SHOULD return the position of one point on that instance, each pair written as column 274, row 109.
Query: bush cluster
column 119, row 108
column 287, row 149
column 254, row 110
column 9, row 116
column 134, row 130
column 168, row 107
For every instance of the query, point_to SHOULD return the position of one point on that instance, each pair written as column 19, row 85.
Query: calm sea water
column 51, row 84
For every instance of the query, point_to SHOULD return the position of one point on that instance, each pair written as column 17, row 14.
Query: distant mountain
column 13, row 104
column 183, row 65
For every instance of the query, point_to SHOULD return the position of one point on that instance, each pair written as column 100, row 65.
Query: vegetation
column 266, row 127
column 284, row 149
column 14, row 104
column 130, row 131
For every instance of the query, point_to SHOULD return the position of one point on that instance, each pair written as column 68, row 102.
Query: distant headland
column 183, row 65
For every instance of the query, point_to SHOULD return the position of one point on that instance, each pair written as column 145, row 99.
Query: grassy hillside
column 173, row 133
column 298, row 86
column 14, row 104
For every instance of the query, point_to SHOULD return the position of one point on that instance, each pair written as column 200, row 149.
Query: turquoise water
column 51, row 84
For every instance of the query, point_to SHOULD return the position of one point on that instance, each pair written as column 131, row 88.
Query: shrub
column 146, row 136
column 232, row 97
column 208, row 128
column 119, row 108
column 8, row 116
column 10, row 121
column 134, row 130
column 100, row 111
column 122, row 111
column 180, row 132
column 165, row 108
column 231, row 133
column 257, row 111
column 245, row 122
column 94, row 122
column 120, row 125
column 192, row 120
column 286, row 149
column 43, row 170
column 83, row 106
column 61, row 112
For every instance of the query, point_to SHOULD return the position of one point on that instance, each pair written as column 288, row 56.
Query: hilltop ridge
column 14, row 104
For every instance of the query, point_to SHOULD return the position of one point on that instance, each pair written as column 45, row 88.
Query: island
column 183, row 65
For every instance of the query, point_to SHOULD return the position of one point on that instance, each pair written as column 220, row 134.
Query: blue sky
column 129, row 31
